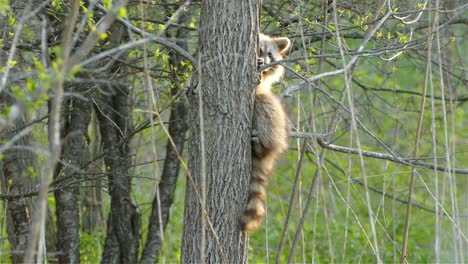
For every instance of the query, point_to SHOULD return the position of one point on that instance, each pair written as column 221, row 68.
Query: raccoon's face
column 271, row 49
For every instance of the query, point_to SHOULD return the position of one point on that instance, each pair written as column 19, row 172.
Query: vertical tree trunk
column 122, row 239
column 16, row 166
column 74, row 131
column 177, row 129
column 17, row 171
column 226, row 83
column 92, row 214
column 19, row 164
column 114, row 114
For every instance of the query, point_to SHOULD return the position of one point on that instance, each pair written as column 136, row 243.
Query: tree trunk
column 92, row 211
column 219, row 176
column 75, row 121
column 114, row 114
column 122, row 239
column 177, row 129
column 16, row 167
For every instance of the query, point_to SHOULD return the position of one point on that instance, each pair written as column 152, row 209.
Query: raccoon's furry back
column 271, row 127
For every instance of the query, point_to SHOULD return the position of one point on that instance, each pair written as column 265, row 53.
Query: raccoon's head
column 271, row 49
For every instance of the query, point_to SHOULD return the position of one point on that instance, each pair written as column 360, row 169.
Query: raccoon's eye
column 270, row 55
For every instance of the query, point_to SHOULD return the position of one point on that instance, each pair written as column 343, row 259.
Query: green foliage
column 58, row 5
column 4, row 7
column 91, row 246
column 122, row 13
column 107, row 4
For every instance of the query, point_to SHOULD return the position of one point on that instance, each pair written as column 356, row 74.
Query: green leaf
column 107, row 4
column 122, row 13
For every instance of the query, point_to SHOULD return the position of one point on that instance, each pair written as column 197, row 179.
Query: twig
column 377, row 155
column 383, row 156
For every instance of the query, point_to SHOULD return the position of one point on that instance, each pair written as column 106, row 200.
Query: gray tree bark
column 123, row 226
column 16, row 167
column 114, row 114
column 226, row 83
column 92, row 211
column 177, row 128
column 74, row 131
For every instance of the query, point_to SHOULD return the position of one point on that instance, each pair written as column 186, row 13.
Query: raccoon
column 270, row 129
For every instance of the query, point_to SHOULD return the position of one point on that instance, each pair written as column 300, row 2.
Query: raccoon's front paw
column 255, row 136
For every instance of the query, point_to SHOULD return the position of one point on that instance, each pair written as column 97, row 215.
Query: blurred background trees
column 94, row 121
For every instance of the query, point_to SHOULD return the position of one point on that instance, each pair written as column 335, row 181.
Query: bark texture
column 123, row 226
column 226, row 83
column 114, row 115
column 74, row 131
column 92, row 210
column 16, row 167
column 177, row 129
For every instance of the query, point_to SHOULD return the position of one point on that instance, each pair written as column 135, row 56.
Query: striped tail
column 255, row 211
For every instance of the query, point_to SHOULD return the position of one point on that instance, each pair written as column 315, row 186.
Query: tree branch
column 376, row 155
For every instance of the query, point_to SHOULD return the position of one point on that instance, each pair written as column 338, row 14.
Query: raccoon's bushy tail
column 255, row 211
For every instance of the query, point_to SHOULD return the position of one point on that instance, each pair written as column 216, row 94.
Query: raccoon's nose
column 260, row 62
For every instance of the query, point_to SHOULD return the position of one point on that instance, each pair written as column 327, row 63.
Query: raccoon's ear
column 283, row 45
